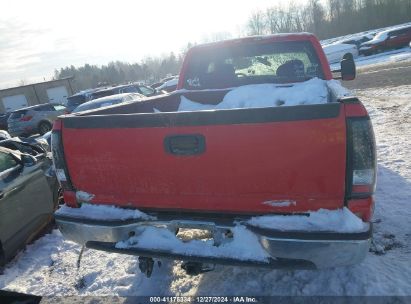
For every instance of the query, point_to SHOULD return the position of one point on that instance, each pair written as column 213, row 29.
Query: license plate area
column 207, row 232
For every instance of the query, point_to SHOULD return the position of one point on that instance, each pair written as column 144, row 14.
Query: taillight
column 58, row 157
column 26, row 118
column 361, row 158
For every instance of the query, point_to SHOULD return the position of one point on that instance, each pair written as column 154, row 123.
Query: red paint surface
column 57, row 125
column 243, row 166
column 70, row 199
column 362, row 189
column 362, row 207
column 355, row 110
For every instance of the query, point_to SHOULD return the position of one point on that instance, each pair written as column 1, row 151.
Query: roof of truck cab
column 272, row 37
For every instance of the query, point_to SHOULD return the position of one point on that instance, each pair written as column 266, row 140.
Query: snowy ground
column 355, row 35
column 403, row 54
column 48, row 267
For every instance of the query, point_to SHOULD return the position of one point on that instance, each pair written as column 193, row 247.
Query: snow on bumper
column 252, row 245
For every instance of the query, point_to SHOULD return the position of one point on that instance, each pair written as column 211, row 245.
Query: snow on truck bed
column 313, row 91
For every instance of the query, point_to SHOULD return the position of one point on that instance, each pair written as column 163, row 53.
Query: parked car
column 29, row 193
column 108, row 101
column 3, row 120
column 168, row 86
column 284, row 144
column 336, row 51
column 77, row 99
column 128, row 88
column 162, row 81
column 34, row 119
column 358, row 40
column 386, row 40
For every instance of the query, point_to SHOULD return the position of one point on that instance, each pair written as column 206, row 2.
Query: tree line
column 326, row 19
column 330, row 18
column 149, row 70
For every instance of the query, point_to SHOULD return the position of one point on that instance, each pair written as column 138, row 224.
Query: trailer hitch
column 196, row 268
column 146, row 265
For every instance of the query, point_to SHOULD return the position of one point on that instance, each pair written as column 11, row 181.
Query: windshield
column 76, row 100
column 277, row 62
column 17, row 114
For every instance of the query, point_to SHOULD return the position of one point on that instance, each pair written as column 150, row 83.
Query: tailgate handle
column 185, row 145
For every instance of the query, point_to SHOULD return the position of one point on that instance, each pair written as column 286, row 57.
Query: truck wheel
column 44, row 127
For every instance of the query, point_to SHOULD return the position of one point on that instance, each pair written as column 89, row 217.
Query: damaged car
column 29, row 194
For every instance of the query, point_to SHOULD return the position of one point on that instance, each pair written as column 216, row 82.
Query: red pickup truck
column 259, row 150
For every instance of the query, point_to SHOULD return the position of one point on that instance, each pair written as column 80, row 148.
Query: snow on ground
column 48, row 267
column 386, row 57
column 361, row 34
column 403, row 54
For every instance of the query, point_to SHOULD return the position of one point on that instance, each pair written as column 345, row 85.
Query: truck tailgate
column 284, row 159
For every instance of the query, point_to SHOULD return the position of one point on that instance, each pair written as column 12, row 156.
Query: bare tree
column 256, row 23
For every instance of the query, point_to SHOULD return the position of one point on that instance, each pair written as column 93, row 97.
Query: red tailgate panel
column 243, row 166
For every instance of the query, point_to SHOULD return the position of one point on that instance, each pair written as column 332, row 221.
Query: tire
column 44, row 127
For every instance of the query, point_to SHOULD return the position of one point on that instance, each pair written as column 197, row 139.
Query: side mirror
column 348, row 70
column 28, row 160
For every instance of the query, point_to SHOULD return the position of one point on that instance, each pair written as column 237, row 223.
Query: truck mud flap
column 161, row 254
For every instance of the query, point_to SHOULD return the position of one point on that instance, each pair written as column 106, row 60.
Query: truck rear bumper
column 291, row 250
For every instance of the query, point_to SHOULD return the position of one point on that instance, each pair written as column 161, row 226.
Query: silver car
column 35, row 119
column 108, row 101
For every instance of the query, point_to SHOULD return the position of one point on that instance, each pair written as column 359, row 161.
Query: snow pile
column 338, row 89
column 280, row 203
column 102, row 212
column 244, row 245
column 313, row 91
column 341, row 220
column 84, row 196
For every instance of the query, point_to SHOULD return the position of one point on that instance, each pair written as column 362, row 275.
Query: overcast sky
column 38, row 36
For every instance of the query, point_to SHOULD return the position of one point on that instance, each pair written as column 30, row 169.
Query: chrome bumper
column 294, row 249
